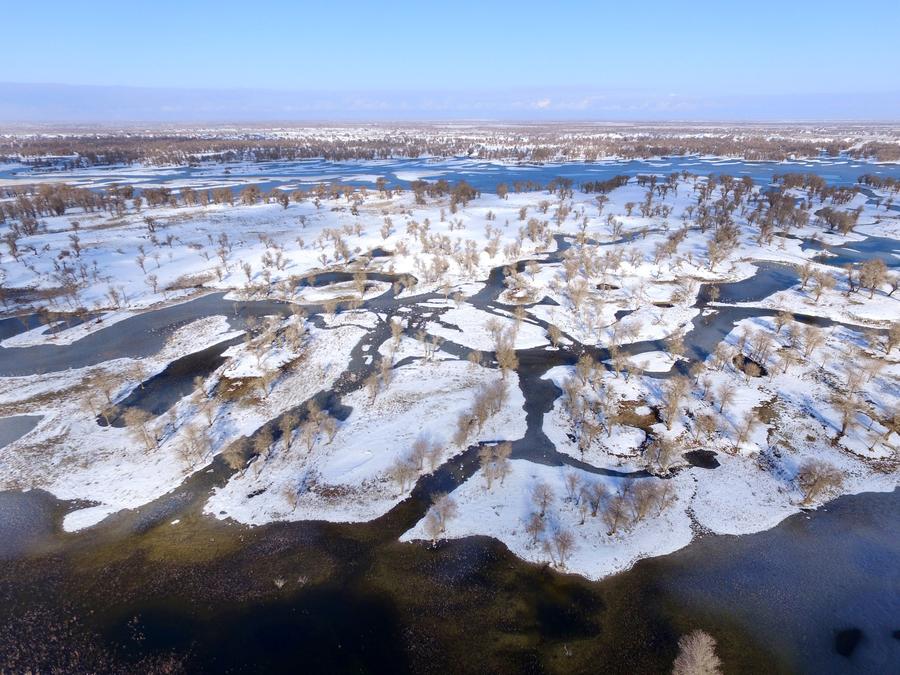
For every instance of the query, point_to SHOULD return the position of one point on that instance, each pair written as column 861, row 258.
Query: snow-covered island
column 592, row 373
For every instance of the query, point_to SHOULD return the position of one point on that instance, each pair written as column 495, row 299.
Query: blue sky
column 461, row 59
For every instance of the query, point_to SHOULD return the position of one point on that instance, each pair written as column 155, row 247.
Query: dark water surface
column 13, row 428
column 855, row 252
column 205, row 596
column 801, row 585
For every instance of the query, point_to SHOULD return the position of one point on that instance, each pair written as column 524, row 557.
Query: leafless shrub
column 816, row 477
column 559, row 546
column 615, row 513
column 697, row 655
column 494, row 461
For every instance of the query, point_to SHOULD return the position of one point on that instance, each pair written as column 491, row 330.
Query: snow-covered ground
column 604, row 273
column 504, row 510
column 349, row 478
column 113, row 465
column 476, row 329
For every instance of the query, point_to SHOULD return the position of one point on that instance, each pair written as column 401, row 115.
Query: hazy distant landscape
column 544, row 379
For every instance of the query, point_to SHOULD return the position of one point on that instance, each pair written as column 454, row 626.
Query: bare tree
column 359, row 282
column 704, row 426
column 872, row 274
column 847, row 406
column 262, row 444
column 506, row 354
column 813, row 338
column 697, row 655
column 329, row 427
column 474, row 357
column 593, row 493
column 432, row 525
column 235, row 455
column 287, row 424
column 725, row 396
column 806, row 273
column 674, row 346
column 309, row 433
column 396, row 330
column 534, row 526
column 138, row 421
column 662, row 452
column 573, row 486
column 433, row 454
column 815, row 477
column 373, row 385
column 445, row 508
column 207, row 409
column 555, row 334
column 402, row 471
column 615, row 515
column 894, row 282
column 561, row 542
column 744, row 428
column 782, row 319
column 644, row 498
column 892, row 337
column 542, row 496
column 196, row 444
column 822, row 281
column 674, row 392
column 419, row 451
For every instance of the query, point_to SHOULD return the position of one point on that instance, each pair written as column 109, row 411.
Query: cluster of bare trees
column 818, row 280
column 537, row 142
column 880, row 182
column 718, row 199
column 494, row 461
column 632, row 503
column 410, row 465
column 891, row 337
column 261, row 337
column 605, row 186
column 488, row 401
column 760, row 350
column 26, row 204
column 588, row 404
column 309, row 427
column 555, row 540
column 318, row 426
column 194, row 442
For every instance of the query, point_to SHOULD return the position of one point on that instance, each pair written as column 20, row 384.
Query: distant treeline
column 527, row 144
